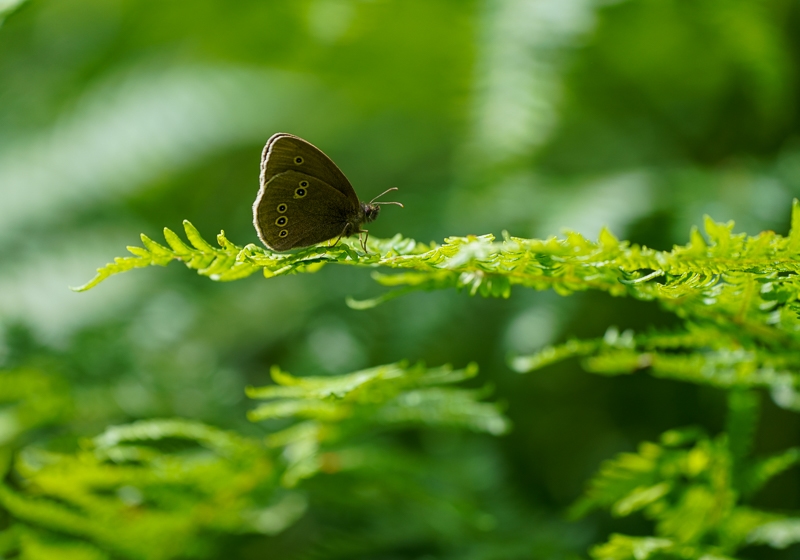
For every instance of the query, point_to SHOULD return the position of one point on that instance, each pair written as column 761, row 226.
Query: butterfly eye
column 282, row 221
column 299, row 160
column 299, row 192
column 283, row 233
column 282, row 208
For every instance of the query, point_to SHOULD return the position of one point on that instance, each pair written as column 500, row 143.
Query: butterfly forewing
column 286, row 152
column 295, row 209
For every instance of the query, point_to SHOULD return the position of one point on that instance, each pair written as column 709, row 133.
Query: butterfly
column 305, row 199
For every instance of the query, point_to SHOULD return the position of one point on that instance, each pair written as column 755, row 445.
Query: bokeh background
column 530, row 116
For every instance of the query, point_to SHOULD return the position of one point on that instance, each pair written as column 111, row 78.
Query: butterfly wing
column 286, row 152
column 294, row 209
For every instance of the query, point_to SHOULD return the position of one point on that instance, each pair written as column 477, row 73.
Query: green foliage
column 695, row 489
column 737, row 295
column 333, row 409
column 224, row 263
column 704, row 353
column 739, row 298
column 154, row 489
column 735, row 281
column 490, row 115
column 161, row 489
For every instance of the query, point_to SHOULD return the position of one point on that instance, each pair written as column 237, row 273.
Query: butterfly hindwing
column 294, row 209
column 286, row 152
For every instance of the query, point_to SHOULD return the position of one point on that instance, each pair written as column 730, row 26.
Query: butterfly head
column 372, row 209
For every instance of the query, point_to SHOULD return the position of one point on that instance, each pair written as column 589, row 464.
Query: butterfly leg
column 364, row 239
column 338, row 238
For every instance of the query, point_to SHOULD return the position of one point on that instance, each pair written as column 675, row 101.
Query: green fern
column 171, row 488
column 699, row 353
column 333, row 409
column 687, row 485
column 126, row 495
column 231, row 262
column 736, row 294
column 747, row 283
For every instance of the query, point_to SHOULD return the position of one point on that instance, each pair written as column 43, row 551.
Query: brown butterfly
column 305, row 199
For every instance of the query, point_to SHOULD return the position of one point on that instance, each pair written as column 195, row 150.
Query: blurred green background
column 531, row 116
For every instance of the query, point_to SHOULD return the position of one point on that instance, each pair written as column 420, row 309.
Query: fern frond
column 686, row 484
column 168, row 488
column 624, row 481
column 147, row 432
column 330, row 408
column 390, row 394
column 762, row 471
column 747, row 283
column 150, row 490
column 699, row 353
column 225, row 263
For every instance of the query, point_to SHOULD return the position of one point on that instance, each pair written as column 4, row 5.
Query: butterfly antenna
column 383, row 193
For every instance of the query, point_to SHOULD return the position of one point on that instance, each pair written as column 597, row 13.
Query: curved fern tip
column 362, row 304
column 248, row 391
column 277, row 374
column 84, row 287
column 102, row 274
